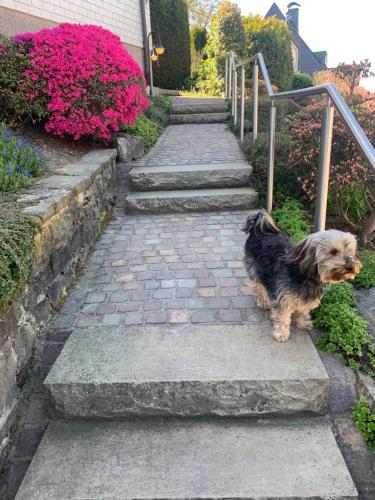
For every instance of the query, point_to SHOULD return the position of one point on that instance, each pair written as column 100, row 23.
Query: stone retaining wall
column 71, row 207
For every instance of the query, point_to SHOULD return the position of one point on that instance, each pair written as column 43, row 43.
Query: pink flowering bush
column 85, row 79
column 348, row 167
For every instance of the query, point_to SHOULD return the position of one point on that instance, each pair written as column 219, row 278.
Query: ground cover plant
column 291, row 218
column 146, row 129
column 366, row 277
column 19, row 160
column 344, row 330
column 365, row 421
column 78, row 78
column 17, row 231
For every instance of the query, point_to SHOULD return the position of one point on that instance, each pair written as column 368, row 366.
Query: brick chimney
column 293, row 14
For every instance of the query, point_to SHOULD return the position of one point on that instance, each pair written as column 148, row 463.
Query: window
column 294, row 57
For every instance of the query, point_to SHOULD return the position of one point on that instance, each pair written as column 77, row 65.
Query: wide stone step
column 167, row 177
column 209, row 106
column 198, row 118
column 189, row 370
column 197, row 200
column 174, row 459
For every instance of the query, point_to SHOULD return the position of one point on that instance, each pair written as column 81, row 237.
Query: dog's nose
column 350, row 267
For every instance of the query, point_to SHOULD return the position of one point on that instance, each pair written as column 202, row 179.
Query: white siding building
column 122, row 17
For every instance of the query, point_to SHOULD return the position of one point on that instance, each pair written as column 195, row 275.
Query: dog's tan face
column 330, row 255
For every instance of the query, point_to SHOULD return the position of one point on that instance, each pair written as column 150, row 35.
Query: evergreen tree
column 170, row 19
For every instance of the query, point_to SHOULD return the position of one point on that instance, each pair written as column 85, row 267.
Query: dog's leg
column 281, row 317
column 261, row 295
column 301, row 320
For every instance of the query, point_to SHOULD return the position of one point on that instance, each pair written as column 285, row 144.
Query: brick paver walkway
column 168, row 269
column 193, row 144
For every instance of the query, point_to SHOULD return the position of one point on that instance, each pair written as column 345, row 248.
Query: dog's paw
column 304, row 324
column 281, row 335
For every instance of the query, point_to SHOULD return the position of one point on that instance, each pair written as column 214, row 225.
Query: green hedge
column 170, row 19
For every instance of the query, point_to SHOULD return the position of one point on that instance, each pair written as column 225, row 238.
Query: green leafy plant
column 285, row 180
column 226, row 34
column 146, row 129
column 19, row 160
column 366, row 277
column 365, row 421
column 344, row 330
column 302, row 80
column 159, row 109
column 17, row 231
column 272, row 37
column 290, row 217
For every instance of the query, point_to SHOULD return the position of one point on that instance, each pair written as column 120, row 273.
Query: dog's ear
column 304, row 254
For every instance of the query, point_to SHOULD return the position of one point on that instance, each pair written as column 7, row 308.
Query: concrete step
column 208, row 106
column 189, row 370
column 198, row 118
column 174, row 459
column 165, row 177
column 197, row 200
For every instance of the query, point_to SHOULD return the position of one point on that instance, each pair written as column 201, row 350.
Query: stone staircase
column 192, row 186
column 119, row 390
column 194, row 110
column 189, row 411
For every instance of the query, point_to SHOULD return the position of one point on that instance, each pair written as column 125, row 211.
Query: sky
column 344, row 28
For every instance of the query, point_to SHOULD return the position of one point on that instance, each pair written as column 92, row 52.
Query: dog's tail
column 260, row 223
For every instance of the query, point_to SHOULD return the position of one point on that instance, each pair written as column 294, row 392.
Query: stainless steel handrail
column 334, row 101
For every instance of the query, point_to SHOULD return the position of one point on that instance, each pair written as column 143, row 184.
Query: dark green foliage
column 17, row 232
column 366, row 277
column 198, row 40
column 226, row 34
column 285, row 180
column 14, row 108
column 291, row 218
column 198, row 37
column 170, row 19
column 146, row 129
column 302, row 80
column 19, row 161
column 365, row 421
column 272, row 37
column 344, row 330
column 159, row 109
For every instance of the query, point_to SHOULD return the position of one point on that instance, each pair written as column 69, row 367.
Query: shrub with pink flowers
column 348, row 167
column 85, row 79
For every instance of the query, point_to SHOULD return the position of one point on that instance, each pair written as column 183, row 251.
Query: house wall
column 121, row 17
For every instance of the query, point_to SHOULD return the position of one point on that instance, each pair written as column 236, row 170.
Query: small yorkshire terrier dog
column 288, row 279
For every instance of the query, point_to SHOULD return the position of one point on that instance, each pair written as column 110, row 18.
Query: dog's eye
column 334, row 252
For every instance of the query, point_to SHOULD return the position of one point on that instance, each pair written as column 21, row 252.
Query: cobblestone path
column 193, row 144
column 168, row 269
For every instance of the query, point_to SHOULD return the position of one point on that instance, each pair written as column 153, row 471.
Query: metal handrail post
column 242, row 109
column 226, row 79
column 324, row 167
column 235, row 77
column 233, row 89
column 271, row 156
column 230, row 76
column 255, row 101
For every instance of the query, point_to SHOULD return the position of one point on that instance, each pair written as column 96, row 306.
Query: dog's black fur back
column 268, row 253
